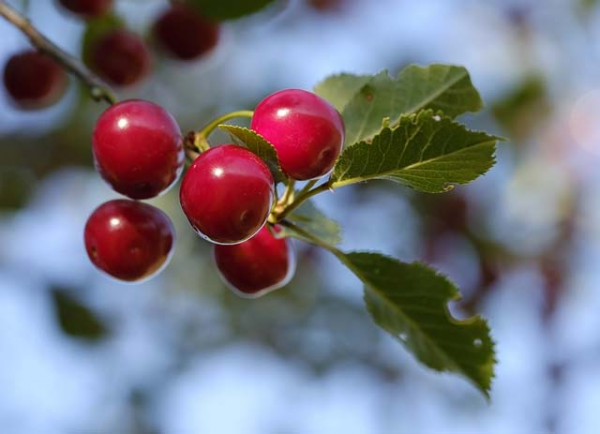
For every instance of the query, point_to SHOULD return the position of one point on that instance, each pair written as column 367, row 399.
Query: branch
column 98, row 89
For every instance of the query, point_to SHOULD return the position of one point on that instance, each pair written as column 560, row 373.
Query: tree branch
column 98, row 89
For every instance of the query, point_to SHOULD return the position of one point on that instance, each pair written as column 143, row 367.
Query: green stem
column 301, row 198
column 212, row 125
column 201, row 136
column 307, row 236
column 307, row 187
column 288, row 195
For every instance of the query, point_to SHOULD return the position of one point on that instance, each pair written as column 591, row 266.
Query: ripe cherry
column 33, row 80
column 257, row 266
column 184, row 33
column 129, row 240
column 227, row 194
column 87, row 8
column 306, row 131
column 120, row 57
column 137, row 148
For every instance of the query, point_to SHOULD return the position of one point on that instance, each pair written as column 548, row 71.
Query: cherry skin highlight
column 120, row 57
column 87, row 8
column 257, row 266
column 137, row 147
column 33, row 80
column 227, row 194
column 129, row 240
column 306, row 131
column 184, row 33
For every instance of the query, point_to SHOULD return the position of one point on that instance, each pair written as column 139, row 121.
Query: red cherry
column 306, row 131
column 184, row 33
column 120, row 57
column 227, row 194
column 33, row 80
column 87, row 8
column 129, row 240
column 257, row 266
column 137, row 148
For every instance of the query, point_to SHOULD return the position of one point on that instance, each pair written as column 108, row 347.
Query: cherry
column 227, row 194
column 137, row 148
column 129, row 240
column 306, row 131
column 33, row 80
column 184, row 33
column 257, row 266
column 120, row 57
column 87, row 8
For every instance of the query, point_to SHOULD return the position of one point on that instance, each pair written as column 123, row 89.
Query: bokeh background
column 80, row 353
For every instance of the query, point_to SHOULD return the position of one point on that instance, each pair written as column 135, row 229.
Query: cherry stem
column 302, row 197
column 288, row 195
column 307, row 187
column 307, row 236
column 201, row 139
column 98, row 89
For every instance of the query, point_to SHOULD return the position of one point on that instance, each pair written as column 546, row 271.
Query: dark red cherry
column 129, row 240
column 306, row 131
column 87, row 8
column 184, row 33
column 120, row 57
column 137, row 148
column 257, row 266
column 227, row 194
column 34, row 80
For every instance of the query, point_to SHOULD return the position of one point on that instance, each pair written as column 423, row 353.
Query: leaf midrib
column 353, row 180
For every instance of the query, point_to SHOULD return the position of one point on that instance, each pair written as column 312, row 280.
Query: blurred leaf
column 425, row 151
column 587, row 6
column 445, row 88
column 410, row 302
column 16, row 185
column 521, row 110
column 228, row 9
column 340, row 89
column 95, row 29
column 310, row 219
column 75, row 319
column 258, row 145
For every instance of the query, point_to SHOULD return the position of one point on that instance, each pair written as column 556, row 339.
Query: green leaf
column 95, row 29
column 75, row 319
column 310, row 219
column 445, row 88
column 425, row 151
column 228, row 9
column 340, row 89
column 258, row 145
column 410, row 302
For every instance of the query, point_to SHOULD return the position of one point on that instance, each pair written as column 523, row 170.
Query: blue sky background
column 184, row 357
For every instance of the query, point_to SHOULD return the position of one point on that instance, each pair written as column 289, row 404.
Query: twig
column 98, row 89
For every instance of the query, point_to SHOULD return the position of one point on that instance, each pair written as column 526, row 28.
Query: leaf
column 228, row 9
column 426, row 152
column 75, row 319
column 312, row 220
column 445, row 88
column 95, row 29
column 258, row 145
column 340, row 89
column 409, row 301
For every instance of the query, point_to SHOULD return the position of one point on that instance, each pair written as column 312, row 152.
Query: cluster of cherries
column 120, row 56
column 227, row 194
